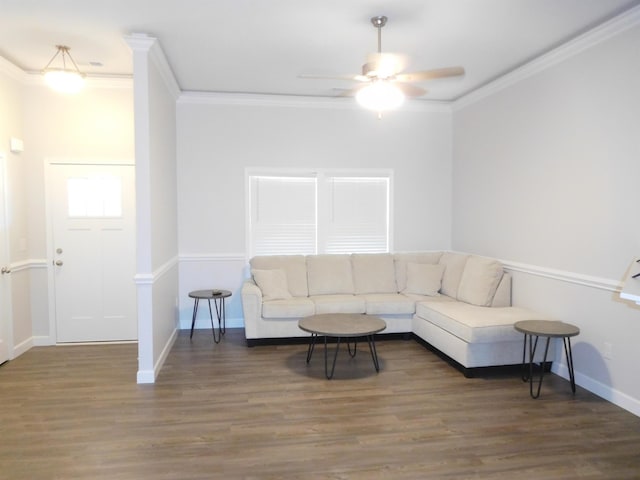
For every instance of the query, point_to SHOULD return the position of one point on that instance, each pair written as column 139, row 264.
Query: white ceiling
column 261, row 46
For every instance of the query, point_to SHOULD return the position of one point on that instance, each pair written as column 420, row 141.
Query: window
column 94, row 196
column 320, row 212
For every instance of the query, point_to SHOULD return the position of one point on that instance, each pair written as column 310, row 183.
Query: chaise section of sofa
column 459, row 304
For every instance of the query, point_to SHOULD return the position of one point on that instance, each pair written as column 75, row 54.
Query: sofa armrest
column 251, row 307
column 502, row 297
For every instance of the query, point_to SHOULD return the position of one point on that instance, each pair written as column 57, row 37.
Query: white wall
column 95, row 124
column 545, row 176
column 218, row 136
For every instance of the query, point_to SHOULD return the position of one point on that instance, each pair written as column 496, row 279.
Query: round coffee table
column 218, row 297
column 342, row 325
column 550, row 329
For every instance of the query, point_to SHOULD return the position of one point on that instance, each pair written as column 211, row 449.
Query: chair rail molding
column 564, row 276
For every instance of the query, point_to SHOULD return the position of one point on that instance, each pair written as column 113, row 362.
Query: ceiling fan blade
column 410, row 90
column 350, row 77
column 383, row 65
column 430, row 74
column 351, row 92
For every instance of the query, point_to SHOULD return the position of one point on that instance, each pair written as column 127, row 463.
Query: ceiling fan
column 383, row 84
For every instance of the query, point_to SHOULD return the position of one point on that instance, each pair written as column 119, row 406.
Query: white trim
column 149, row 376
column 129, row 162
column 91, row 81
column 6, row 308
column 142, row 42
column 604, row 391
column 21, row 348
column 298, row 101
column 28, row 264
column 564, row 276
column 208, row 257
column 593, row 37
column 150, row 278
column 11, row 70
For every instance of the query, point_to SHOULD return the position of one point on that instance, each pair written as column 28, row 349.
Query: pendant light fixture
column 66, row 78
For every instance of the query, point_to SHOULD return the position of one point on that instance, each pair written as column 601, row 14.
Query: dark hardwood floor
column 227, row 411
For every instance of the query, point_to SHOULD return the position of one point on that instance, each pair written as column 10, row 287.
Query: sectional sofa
column 456, row 303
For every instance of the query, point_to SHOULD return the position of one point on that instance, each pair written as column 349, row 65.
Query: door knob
column 58, row 263
column 5, row 270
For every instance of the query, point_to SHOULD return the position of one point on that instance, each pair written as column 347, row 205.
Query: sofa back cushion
column 294, row 267
column 480, row 280
column 402, row 259
column 453, row 268
column 373, row 273
column 329, row 274
column 272, row 283
column 424, row 279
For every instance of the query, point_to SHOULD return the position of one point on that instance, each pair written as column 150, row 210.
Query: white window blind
column 323, row 212
column 283, row 215
column 358, row 209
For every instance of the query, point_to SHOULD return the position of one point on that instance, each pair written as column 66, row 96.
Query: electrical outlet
column 608, row 351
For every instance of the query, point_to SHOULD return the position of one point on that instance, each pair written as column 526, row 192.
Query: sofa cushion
column 480, row 280
column 373, row 273
column 475, row 324
column 272, row 284
column 401, row 260
column 389, row 304
column 424, row 279
column 329, row 274
column 338, row 304
column 294, row 266
column 295, row 307
column 453, row 268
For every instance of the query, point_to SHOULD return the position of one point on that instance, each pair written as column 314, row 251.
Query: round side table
column 218, row 297
column 549, row 329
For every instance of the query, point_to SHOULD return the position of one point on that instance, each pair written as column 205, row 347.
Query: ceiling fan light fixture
column 66, row 79
column 380, row 96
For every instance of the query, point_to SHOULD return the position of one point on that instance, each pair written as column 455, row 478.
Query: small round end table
column 218, row 297
column 550, row 329
column 339, row 325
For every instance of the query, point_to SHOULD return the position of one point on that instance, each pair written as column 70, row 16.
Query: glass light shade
column 380, row 96
column 65, row 81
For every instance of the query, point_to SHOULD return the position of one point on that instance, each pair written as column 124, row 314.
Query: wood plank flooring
column 231, row 412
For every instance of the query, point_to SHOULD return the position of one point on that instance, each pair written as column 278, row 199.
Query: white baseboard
column 185, row 323
column 149, row 376
column 21, row 348
column 612, row 395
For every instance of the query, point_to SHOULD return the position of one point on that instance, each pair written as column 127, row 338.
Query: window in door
column 94, row 196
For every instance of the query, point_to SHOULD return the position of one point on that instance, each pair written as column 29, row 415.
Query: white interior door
column 93, row 225
column 5, row 278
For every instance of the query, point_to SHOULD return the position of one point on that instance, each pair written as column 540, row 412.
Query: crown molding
column 37, row 79
column 91, row 81
column 143, row 43
column 595, row 36
column 12, row 71
column 297, row 101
